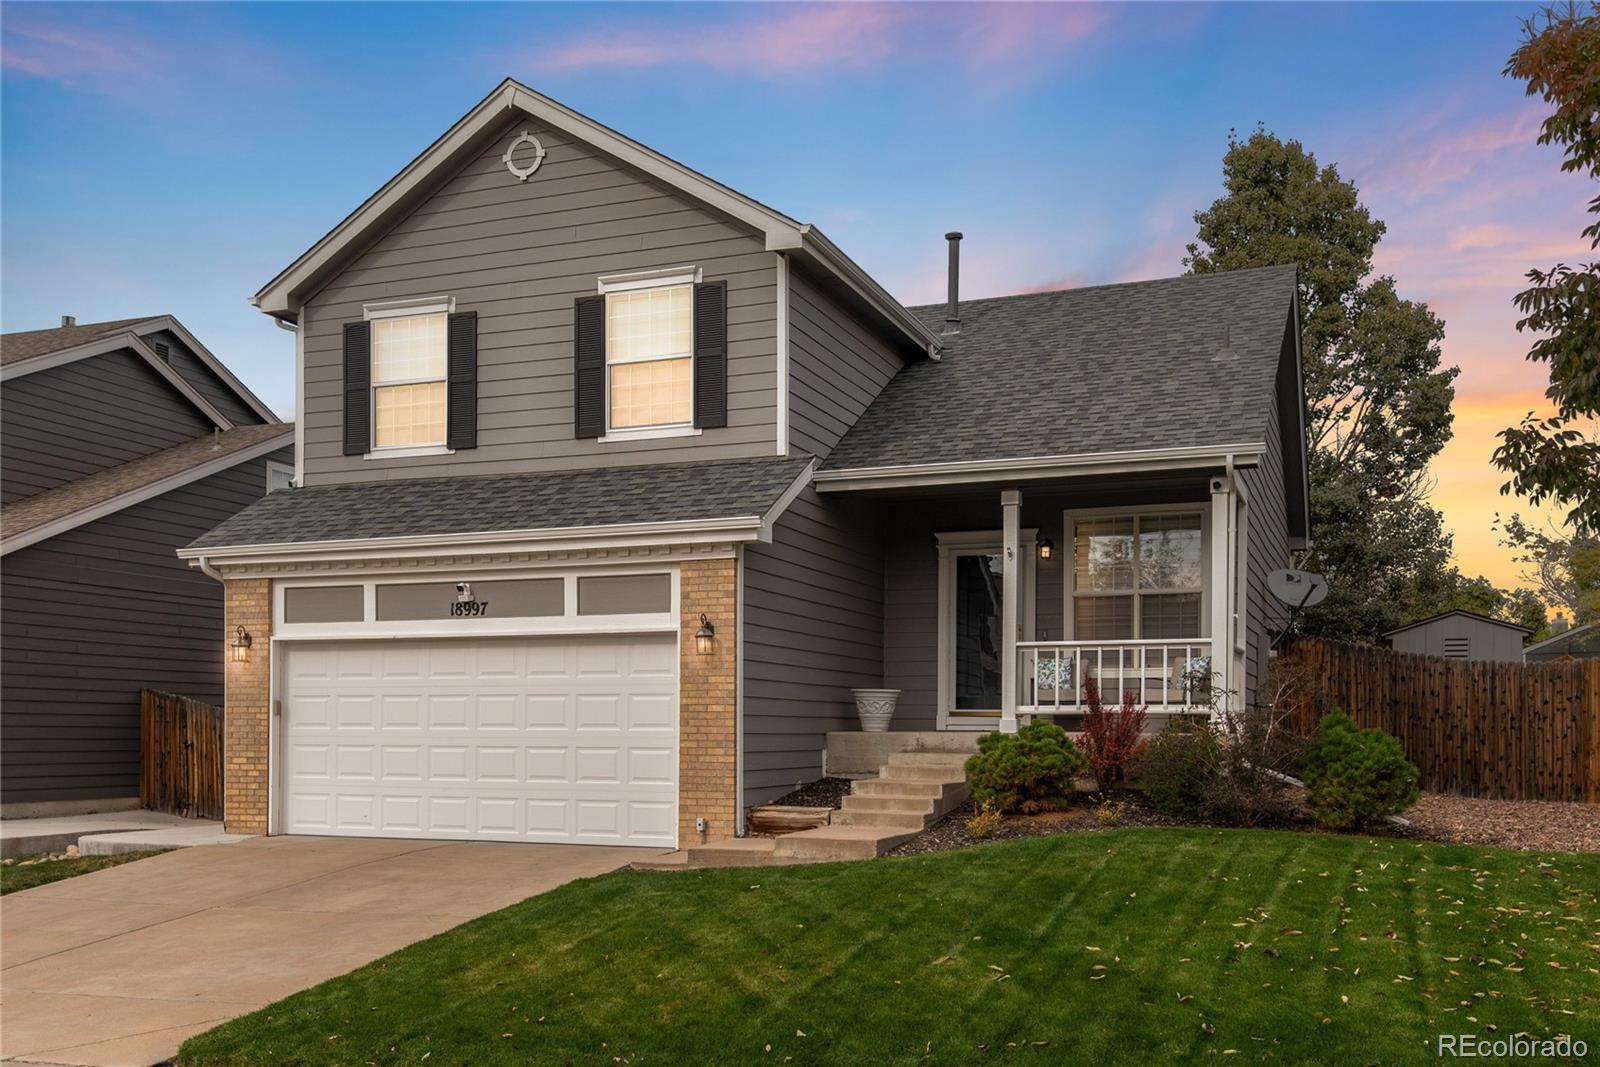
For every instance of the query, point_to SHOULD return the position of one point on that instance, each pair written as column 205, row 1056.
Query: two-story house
column 120, row 442
column 614, row 482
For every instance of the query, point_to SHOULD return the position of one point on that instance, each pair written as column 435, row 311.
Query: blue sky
column 174, row 157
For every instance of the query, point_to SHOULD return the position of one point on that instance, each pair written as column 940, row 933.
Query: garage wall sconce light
column 705, row 638
column 239, row 647
column 1047, row 548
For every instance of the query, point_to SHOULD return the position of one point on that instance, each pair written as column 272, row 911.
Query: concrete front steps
column 913, row 790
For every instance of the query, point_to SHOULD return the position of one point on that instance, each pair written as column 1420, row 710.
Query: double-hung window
column 408, row 380
column 1138, row 576
column 650, row 358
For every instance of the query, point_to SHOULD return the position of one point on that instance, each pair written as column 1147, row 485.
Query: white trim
column 145, row 492
column 961, row 472
column 1013, row 560
column 660, row 278
column 786, row 498
column 783, row 355
column 300, row 403
column 407, row 307
column 649, row 433
column 1069, row 629
column 274, row 465
column 1221, row 575
column 554, row 539
column 976, row 543
column 113, row 343
column 281, row 297
column 405, row 451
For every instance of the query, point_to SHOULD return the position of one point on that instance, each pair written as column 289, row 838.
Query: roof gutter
column 730, row 530
column 814, row 244
column 1033, row 468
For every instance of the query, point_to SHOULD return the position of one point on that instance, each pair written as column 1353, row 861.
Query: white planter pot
column 876, row 708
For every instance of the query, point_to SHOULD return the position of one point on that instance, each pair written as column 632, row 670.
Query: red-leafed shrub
column 1111, row 736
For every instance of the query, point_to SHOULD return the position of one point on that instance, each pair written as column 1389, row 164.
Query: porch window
column 1138, row 576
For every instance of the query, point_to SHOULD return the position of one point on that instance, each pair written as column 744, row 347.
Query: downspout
column 299, row 397
column 208, row 570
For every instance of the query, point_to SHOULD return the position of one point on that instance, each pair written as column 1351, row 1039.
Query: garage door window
column 627, row 594
column 322, row 603
column 517, row 599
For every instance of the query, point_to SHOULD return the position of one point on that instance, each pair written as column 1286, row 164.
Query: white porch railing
column 1168, row 676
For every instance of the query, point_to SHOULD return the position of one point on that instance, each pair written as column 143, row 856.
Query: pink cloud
column 780, row 41
column 1413, row 167
column 1070, row 281
column 75, row 54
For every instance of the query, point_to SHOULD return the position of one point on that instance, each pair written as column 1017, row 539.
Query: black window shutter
column 711, row 354
column 461, row 388
column 589, row 366
column 357, row 387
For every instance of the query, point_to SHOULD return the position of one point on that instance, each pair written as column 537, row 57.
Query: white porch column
column 1010, row 605
column 1222, row 591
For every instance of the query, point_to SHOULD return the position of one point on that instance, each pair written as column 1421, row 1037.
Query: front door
column 972, row 613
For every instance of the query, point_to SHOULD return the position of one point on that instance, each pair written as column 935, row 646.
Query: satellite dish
column 1298, row 589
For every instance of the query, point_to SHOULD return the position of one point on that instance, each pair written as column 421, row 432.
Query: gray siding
column 94, row 615
column 837, row 366
column 813, row 630
column 1485, row 640
column 205, row 381
column 67, row 422
column 1266, row 546
column 518, row 253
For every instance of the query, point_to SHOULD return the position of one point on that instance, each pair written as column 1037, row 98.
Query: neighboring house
column 120, row 442
column 614, row 483
column 1461, row 635
column 1579, row 642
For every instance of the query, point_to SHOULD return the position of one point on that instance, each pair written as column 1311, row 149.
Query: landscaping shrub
column 1112, row 737
column 985, row 822
column 1031, row 770
column 1179, row 766
column 1110, row 812
column 1355, row 777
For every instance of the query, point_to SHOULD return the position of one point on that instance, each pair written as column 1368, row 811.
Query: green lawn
column 14, row 877
column 1132, row 946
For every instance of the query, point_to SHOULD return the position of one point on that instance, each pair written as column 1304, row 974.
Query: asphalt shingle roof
column 1172, row 363
column 607, row 496
column 97, row 488
column 26, row 344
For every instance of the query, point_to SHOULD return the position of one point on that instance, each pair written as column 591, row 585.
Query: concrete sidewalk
column 118, row 967
column 28, row 837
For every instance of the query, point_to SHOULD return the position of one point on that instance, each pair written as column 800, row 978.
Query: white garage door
column 556, row 740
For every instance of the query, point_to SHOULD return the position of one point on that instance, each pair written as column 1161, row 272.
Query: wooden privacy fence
column 1515, row 731
column 180, row 758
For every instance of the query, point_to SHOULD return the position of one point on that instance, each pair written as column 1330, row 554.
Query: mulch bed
column 823, row 793
column 1517, row 824
column 1536, row 825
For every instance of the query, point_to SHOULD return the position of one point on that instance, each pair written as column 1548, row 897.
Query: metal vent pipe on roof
column 952, row 313
column 69, row 320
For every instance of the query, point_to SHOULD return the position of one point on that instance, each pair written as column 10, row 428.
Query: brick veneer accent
column 707, row 703
column 248, row 712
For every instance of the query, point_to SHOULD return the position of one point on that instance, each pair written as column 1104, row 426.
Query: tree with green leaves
column 1551, row 458
column 1377, row 398
column 1564, row 569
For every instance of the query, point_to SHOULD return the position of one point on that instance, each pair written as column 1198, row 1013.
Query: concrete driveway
column 118, row 967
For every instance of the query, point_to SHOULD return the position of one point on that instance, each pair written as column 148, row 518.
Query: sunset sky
column 173, row 158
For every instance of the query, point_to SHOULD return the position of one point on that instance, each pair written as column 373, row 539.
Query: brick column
column 707, row 703
column 248, row 712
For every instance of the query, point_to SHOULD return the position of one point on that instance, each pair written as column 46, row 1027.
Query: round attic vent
column 523, row 173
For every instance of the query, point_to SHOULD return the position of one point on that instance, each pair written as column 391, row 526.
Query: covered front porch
column 1001, row 600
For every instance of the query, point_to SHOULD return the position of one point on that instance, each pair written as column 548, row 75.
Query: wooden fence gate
column 1513, row 731
column 180, row 758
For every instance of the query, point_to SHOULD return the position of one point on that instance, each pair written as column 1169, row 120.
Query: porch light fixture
column 239, row 647
column 705, row 638
column 1047, row 549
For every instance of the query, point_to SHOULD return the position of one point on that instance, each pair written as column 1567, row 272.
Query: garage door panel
column 432, row 740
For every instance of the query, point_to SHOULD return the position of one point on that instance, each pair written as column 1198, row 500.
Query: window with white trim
column 408, row 380
column 1138, row 576
column 279, row 476
column 650, row 358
